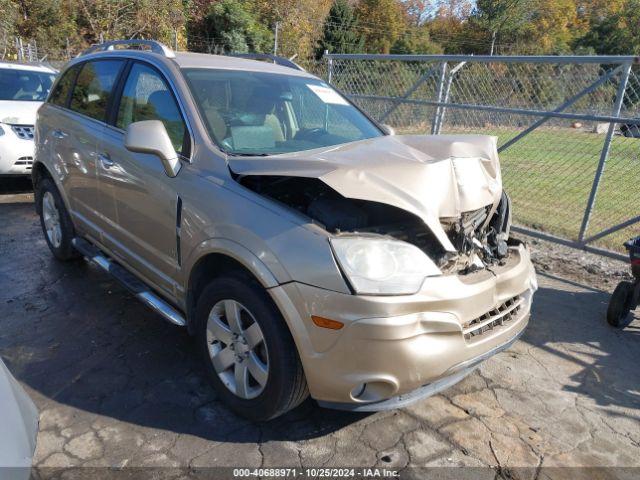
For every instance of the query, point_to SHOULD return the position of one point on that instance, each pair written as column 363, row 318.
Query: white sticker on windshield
column 327, row 95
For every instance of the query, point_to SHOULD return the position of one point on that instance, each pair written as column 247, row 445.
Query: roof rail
column 285, row 62
column 154, row 46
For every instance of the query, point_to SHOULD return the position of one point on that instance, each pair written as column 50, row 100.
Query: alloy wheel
column 237, row 349
column 51, row 219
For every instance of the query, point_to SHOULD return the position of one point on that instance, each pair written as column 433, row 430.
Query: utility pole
column 275, row 38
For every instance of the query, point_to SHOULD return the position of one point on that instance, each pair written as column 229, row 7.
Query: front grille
column 25, row 161
column 25, row 132
column 500, row 315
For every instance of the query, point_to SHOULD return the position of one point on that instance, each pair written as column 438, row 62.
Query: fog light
column 375, row 391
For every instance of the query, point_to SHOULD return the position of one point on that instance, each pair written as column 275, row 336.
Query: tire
column 620, row 304
column 284, row 387
column 55, row 220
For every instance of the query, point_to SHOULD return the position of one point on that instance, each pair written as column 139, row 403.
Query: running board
column 133, row 284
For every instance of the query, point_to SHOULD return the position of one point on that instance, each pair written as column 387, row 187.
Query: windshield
column 254, row 113
column 25, row 85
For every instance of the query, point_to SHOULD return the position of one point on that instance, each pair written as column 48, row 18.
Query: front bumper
column 16, row 154
column 396, row 349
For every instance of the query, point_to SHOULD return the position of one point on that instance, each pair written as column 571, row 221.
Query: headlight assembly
column 381, row 266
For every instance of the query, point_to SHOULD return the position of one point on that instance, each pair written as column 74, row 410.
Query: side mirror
column 150, row 136
column 388, row 129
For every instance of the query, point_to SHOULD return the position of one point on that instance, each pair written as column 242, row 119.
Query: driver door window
column 146, row 96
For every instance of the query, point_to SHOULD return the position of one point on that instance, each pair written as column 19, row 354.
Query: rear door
column 76, row 135
column 143, row 227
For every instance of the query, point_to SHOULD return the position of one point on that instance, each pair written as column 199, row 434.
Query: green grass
column 549, row 174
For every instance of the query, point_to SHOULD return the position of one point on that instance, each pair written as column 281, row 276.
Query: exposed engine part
column 337, row 213
column 478, row 242
column 499, row 227
column 462, row 231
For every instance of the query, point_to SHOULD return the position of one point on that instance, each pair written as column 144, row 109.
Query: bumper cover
column 397, row 349
column 16, row 154
column 456, row 374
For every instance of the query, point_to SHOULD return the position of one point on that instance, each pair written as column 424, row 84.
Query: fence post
column 447, row 93
column 436, row 116
column 617, row 107
column 329, row 67
column 20, row 49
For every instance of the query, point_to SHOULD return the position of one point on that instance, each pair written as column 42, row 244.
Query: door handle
column 105, row 160
column 59, row 134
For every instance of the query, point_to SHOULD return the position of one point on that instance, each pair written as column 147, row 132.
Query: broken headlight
column 381, row 266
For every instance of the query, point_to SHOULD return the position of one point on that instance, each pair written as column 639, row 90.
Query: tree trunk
column 493, row 42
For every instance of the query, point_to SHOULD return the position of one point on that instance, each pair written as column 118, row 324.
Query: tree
column 8, row 21
column 615, row 34
column 500, row 17
column 416, row 41
column 231, row 26
column 382, row 22
column 340, row 33
column 300, row 23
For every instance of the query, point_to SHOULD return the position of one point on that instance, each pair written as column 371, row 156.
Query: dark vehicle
column 625, row 296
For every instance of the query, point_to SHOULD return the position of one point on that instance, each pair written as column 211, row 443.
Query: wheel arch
column 217, row 257
column 40, row 171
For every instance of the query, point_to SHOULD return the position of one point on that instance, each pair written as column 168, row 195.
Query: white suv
column 23, row 88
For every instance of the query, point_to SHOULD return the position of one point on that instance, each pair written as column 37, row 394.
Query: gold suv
column 308, row 249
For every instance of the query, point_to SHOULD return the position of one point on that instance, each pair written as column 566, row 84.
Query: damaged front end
column 442, row 195
column 480, row 237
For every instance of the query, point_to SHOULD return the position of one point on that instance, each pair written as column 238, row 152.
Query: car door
column 143, row 227
column 75, row 138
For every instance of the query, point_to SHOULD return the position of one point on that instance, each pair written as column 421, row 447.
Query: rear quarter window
column 94, row 86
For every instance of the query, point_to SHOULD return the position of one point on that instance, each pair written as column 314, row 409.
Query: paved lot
column 117, row 386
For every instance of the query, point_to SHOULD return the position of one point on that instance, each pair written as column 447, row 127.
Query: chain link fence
column 567, row 127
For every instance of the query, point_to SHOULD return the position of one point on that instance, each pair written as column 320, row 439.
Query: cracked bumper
column 394, row 350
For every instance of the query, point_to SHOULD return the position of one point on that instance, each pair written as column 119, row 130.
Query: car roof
column 203, row 60
column 32, row 67
column 198, row 60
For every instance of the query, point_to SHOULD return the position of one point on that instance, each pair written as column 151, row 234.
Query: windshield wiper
column 242, row 154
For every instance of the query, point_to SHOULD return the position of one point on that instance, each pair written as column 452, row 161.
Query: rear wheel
column 247, row 348
column 55, row 221
column 620, row 304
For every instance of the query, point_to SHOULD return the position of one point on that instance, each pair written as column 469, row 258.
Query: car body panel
column 138, row 202
column 19, row 419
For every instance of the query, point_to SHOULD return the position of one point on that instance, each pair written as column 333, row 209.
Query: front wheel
column 249, row 354
column 55, row 221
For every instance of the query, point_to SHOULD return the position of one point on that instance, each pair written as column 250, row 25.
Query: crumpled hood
column 18, row 112
column 431, row 176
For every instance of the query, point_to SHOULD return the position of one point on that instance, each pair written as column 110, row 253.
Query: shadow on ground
column 75, row 337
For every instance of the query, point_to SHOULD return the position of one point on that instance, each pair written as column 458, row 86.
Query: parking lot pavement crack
column 539, row 468
column 259, row 445
column 334, row 450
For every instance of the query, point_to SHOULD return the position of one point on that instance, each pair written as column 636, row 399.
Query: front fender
column 234, row 250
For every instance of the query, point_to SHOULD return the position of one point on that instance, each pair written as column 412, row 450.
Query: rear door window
column 94, row 86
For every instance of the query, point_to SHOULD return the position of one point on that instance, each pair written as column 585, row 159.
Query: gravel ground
column 118, row 387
